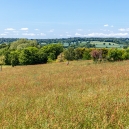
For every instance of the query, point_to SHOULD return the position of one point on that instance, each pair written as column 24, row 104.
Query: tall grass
column 81, row 95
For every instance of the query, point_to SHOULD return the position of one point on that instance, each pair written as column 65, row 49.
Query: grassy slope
column 80, row 95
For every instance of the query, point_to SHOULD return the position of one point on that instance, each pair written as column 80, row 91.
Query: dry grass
column 81, row 95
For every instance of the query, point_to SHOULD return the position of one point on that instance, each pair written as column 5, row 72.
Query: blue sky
column 64, row 18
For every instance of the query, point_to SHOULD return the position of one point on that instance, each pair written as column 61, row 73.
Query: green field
column 81, row 95
column 99, row 44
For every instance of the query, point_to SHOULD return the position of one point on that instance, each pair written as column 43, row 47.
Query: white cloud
column 36, row 29
column 24, row 29
column 42, row 34
column 77, row 34
column 106, row 25
column 61, row 35
column 51, row 31
column 112, row 26
column 10, row 29
column 124, row 29
column 28, row 34
column 107, row 35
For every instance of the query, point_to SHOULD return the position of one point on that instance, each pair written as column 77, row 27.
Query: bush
column 96, row 55
column 79, row 53
column 86, row 54
column 104, row 53
column 115, row 54
column 69, row 54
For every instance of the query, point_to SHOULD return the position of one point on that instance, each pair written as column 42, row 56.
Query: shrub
column 86, row 54
column 69, row 54
column 79, row 53
column 104, row 53
column 96, row 55
column 115, row 54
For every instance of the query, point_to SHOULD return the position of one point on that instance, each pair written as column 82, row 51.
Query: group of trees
column 23, row 43
column 27, row 52
column 77, row 53
column 7, row 40
column 103, row 54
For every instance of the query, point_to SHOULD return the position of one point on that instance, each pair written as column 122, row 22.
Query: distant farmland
column 99, row 44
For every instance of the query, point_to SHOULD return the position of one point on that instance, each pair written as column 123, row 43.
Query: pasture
column 99, row 44
column 81, row 95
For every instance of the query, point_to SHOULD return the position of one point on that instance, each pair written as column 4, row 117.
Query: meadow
column 99, row 44
column 81, row 95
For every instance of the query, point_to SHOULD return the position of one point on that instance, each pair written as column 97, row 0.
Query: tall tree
column 28, row 56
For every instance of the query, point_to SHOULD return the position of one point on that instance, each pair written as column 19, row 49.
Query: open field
column 99, row 44
column 81, row 95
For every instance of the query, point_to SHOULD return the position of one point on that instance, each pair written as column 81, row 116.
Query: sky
column 46, row 19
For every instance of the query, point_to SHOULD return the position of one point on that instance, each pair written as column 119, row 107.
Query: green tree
column 7, row 59
column 1, row 62
column 69, row 54
column 52, row 56
column 14, row 57
column 115, row 54
column 23, row 43
column 79, row 53
column 29, row 56
column 104, row 53
column 42, row 57
column 52, row 50
column 86, row 54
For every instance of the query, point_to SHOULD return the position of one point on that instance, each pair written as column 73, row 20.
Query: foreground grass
column 81, row 95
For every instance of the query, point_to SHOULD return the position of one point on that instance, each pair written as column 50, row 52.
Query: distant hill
column 79, row 42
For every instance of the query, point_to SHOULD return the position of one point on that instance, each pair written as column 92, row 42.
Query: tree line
column 70, row 41
column 30, row 52
column 97, row 55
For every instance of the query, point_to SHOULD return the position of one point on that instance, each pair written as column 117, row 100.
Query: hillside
column 77, row 42
column 79, row 95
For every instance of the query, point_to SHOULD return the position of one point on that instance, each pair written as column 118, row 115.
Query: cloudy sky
column 64, row 18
